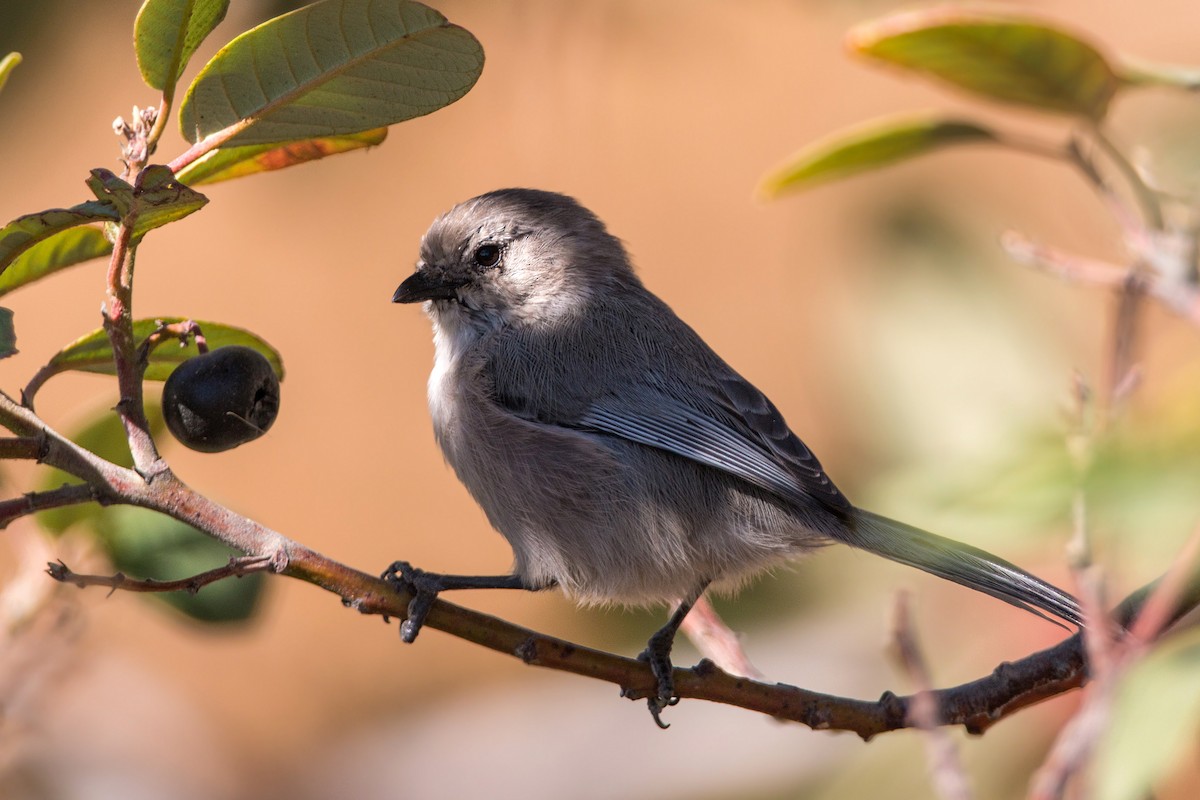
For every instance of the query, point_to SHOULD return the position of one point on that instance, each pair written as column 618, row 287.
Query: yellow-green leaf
column 62, row 250
column 7, row 65
column 234, row 162
column 24, row 232
column 167, row 33
column 871, row 147
column 162, row 198
column 1155, row 722
column 332, row 68
column 93, row 353
column 1010, row 59
column 158, row 198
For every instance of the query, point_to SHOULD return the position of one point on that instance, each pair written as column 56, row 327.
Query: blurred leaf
column 225, row 163
column 103, row 435
column 62, row 250
column 1145, row 73
column 24, row 232
column 146, row 544
column 8, row 334
column 1009, row 59
column 880, row 144
column 7, row 65
column 167, row 33
column 332, row 68
column 93, row 353
column 1155, row 722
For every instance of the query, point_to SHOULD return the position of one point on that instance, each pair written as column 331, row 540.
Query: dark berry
column 220, row 399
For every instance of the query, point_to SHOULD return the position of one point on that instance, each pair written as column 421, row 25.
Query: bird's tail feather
column 963, row 564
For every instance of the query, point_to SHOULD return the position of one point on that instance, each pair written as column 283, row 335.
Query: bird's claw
column 659, row 659
column 424, row 588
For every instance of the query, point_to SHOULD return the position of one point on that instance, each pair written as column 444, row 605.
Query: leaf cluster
column 325, row 79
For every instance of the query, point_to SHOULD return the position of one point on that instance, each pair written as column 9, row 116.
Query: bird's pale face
column 491, row 268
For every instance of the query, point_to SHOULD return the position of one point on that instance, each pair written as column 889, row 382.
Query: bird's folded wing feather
column 742, row 435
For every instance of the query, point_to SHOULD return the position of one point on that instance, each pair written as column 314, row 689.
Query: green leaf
column 8, row 334
column 1009, row 59
column 234, row 162
column 157, row 199
column 7, row 65
column 870, row 147
column 146, row 544
column 93, row 353
column 111, row 189
column 104, row 435
column 331, row 68
column 161, row 198
column 167, row 33
column 62, row 250
column 24, row 232
column 1155, row 722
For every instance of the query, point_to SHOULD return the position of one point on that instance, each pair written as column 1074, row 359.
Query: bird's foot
column 424, row 588
column 658, row 655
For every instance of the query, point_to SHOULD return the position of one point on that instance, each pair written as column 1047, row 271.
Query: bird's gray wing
column 743, row 436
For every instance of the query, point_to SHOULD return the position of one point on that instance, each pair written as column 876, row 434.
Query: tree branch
column 976, row 706
column 32, row 502
column 236, row 568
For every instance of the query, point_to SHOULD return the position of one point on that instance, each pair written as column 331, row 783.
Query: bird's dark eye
column 487, row 255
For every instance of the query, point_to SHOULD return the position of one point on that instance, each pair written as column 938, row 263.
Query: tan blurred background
column 928, row 372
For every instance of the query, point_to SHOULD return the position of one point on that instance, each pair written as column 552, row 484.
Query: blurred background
column 931, row 375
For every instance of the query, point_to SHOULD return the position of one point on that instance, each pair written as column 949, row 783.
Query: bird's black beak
column 421, row 286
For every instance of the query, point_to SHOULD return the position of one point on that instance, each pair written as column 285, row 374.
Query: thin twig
column 21, row 447
column 180, row 331
column 1178, row 296
column 945, row 766
column 236, row 568
column 32, row 502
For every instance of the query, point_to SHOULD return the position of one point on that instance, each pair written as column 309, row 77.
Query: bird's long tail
column 963, row 564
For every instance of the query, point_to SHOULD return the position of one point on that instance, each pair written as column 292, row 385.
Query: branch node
column 527, row 650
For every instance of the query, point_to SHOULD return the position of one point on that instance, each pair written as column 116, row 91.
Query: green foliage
column 93, row 352
column 1155, row 722
column 26, row 231
column 145, row 544
column 1000, row 58
column 53, row 253
column 333, row 68
column 225, row 163
column 326, row 79
column 875, row 146
column 157, row 199
column 167, row 33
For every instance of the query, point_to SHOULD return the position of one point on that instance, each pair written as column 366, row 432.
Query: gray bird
column 621, row 458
